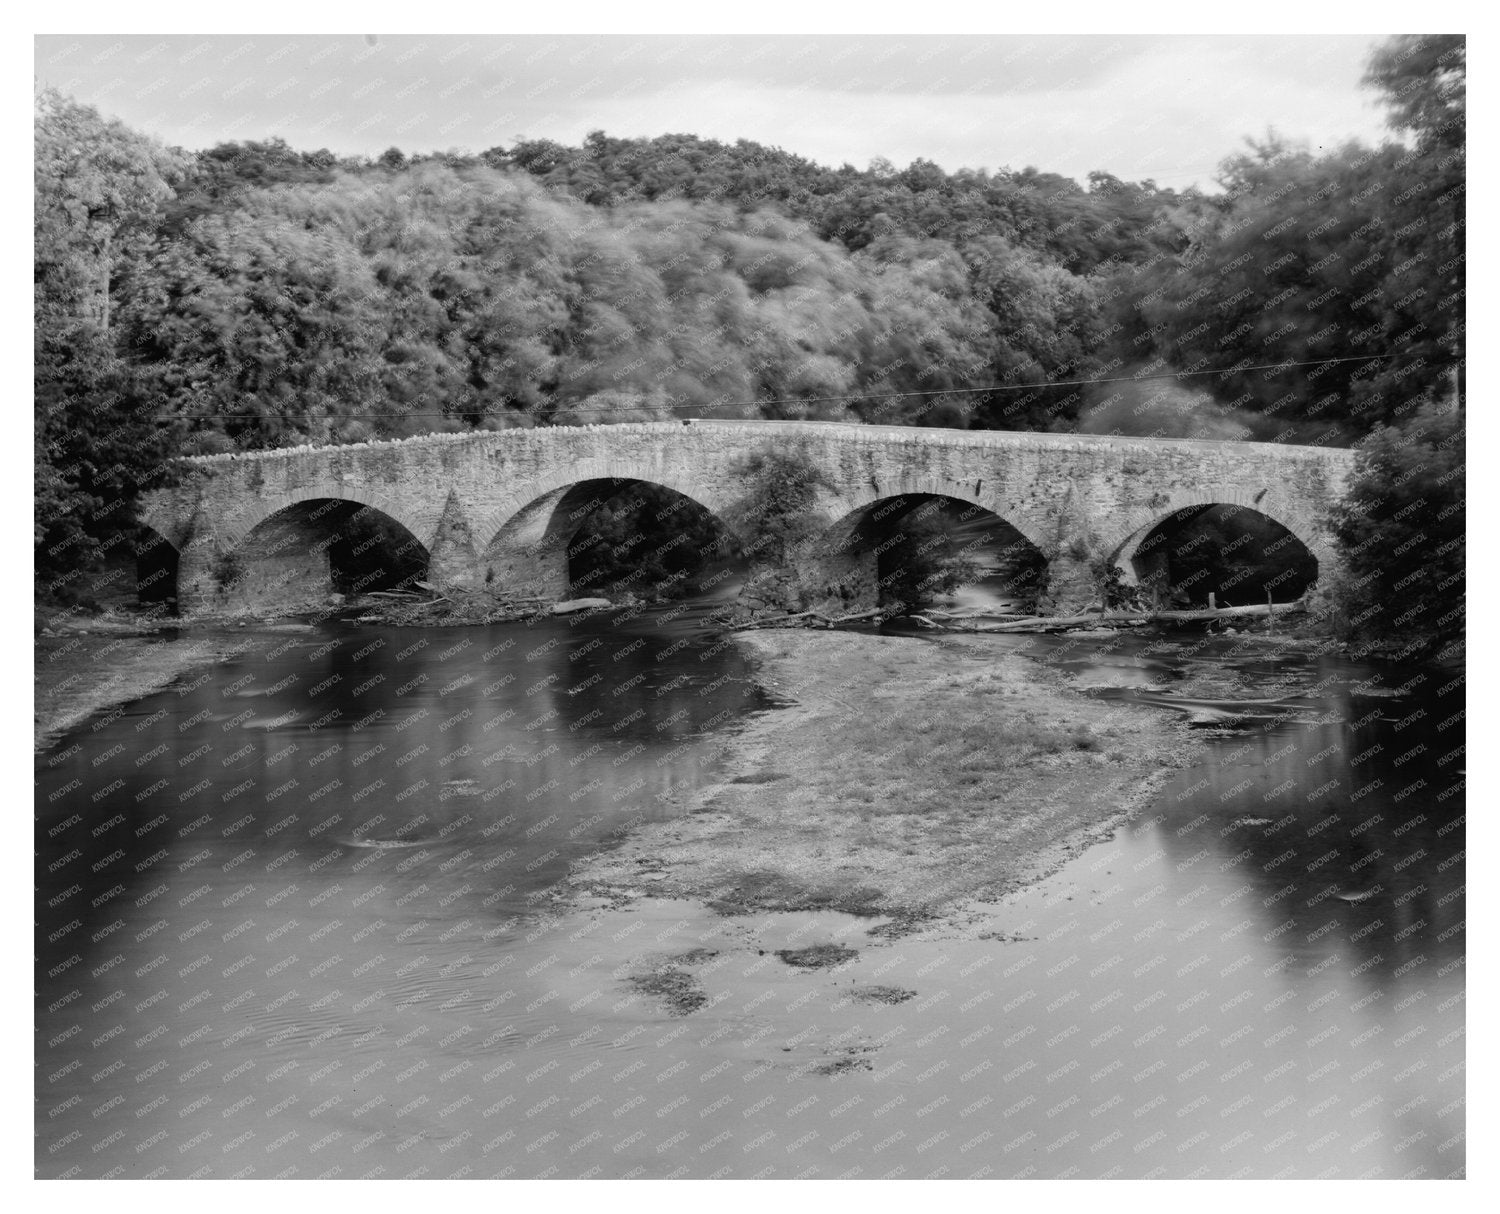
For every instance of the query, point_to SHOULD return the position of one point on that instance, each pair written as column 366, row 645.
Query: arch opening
column 307, row 552
column 1234, row 552
column 616, row 538
column 916, row 549
column 156, row 565
column 132, row 569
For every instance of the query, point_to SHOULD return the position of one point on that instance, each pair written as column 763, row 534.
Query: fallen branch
column 780, row 619
column 975, row 613
column 1038, row 624
column 814, row 616
column 859, row 615
column 1048, row 623
column 1253, row 609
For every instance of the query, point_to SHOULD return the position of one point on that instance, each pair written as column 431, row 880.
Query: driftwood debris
column 1125, row 618
column 1252, row 609
column 449, row 606
column 999, row 621
column 822, row 620
column 995, row 621
column 974, row 613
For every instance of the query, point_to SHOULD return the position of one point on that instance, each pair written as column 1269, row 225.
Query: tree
column 921, row 558
column 99, row 190
column 649, row 538
column 218, row 177
column 1046, row 322
column 777, row 516
column 1350, row 264
column 1423, row 80
column 1343, row 272
column 1400, row 530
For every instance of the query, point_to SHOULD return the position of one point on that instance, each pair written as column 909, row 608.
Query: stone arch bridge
column 500, row 508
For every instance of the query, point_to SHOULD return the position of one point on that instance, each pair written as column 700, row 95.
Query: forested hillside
column 256, row 295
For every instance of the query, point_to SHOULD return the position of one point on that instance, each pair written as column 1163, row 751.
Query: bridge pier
column 841, row 581
column 455, row 567
column 288, row 580
column 1141, row 564
column 833, row 583
column 453, row 556
column 1069, row 587
column 539, row 572
column 529, row 557
column 196, row 589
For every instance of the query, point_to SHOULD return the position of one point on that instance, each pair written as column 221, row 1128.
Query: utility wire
column 810, row 400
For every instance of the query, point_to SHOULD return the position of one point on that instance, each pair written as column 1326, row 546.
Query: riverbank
column 94, row 663
column 899, row 778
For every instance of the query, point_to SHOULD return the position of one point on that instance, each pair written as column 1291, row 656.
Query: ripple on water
column 272, row 724
column 299, row 1026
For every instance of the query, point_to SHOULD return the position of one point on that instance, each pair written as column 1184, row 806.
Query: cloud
column 1168, row 108
column 1170, row 113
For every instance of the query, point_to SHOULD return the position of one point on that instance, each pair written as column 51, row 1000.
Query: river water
column 293, row 918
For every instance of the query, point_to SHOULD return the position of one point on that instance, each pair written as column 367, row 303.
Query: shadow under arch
column 538, row 551
column 1240, row 553
column 157, row 561
column 369, row 496
column 910, row 547
column 298, row 555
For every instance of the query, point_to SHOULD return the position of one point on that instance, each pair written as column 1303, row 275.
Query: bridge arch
column 1133, row 524
column 157, row 515
column 489, row 524
column 304, row 547
column 893, row 546
column 533, row 552
column 1139, row 545
column 233, row 533
column 911, row 484
column 157, row 562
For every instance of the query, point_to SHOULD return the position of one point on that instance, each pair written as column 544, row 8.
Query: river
column 294, row 917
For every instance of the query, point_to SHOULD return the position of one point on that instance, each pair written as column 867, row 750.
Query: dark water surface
column 266, row 948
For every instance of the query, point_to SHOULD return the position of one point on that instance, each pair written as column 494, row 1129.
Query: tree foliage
column 1400, row 530
column 1422, row 78
column 647, row 539
column 777, row 515
column 99, row 191
column 441, row 298
column 923, row 557
column 1356, row 255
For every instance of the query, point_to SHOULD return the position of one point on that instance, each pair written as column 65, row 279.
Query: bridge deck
column 855, row 431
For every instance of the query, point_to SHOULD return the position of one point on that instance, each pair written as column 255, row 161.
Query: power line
column 811, row 400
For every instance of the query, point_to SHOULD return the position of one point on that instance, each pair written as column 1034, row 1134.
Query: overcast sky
column 1162, row 107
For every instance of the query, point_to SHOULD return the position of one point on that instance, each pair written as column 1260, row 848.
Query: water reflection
column 294, row 920
column 1335, row 792
column 329, row 842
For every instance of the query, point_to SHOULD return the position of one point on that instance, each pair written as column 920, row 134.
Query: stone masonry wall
column 494, row 501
